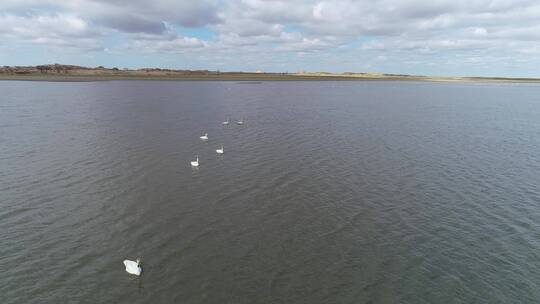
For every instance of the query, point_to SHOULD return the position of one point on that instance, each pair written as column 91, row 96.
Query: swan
column 133, row 267
column 195, row 163
column 204, row 137
column 226, row 122
column 240, row 122
column 220, row 151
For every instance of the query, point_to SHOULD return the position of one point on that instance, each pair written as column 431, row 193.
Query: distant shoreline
column 66, row 73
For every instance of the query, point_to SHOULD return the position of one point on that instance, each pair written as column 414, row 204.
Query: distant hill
column 74, row 69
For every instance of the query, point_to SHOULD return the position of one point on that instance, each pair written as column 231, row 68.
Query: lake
column 331, row 192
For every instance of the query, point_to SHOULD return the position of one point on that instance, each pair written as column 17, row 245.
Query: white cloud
column 438, row 30
column 176, row 45
column 59, row 30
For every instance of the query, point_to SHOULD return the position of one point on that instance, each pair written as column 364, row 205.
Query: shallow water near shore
column 331, row 192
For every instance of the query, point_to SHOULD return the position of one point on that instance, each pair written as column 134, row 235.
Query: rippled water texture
column 332, row 192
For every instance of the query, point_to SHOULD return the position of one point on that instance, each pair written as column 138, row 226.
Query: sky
column 435, row 37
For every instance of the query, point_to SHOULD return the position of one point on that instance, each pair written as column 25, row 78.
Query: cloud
column 57, row 30
column 171, row 46
column 131, row 24
column 426, row 32
column 185, row 13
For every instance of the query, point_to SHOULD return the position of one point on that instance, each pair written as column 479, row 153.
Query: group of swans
column 219, row 150
column 238, row 122
column 134, row 267
column 195, row 163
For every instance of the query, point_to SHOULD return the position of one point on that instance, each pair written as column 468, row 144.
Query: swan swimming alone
column 133, row 267
column 204, row 137
column 195, row 163
column 220, row 150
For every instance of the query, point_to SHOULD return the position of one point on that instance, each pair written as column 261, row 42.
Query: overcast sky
column 431, row 37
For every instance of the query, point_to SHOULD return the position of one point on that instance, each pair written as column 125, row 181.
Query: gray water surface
column 332, row 192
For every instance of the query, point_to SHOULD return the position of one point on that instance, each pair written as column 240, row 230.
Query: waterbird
column 240, row 122
column 133, row 267
column 204, row 137
column 195, row 163
column 220, row 151
column 226, row 122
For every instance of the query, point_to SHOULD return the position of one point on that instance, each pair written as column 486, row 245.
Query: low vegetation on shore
column 59, row 72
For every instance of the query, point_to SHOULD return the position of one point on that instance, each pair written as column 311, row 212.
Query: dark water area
column 331, row 192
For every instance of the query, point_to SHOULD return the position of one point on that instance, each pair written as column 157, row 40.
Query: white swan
column 133, row 267
column 204, row 137
column 226, row 122
column 240, row 122
column 220, row 151
column 195, row 163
